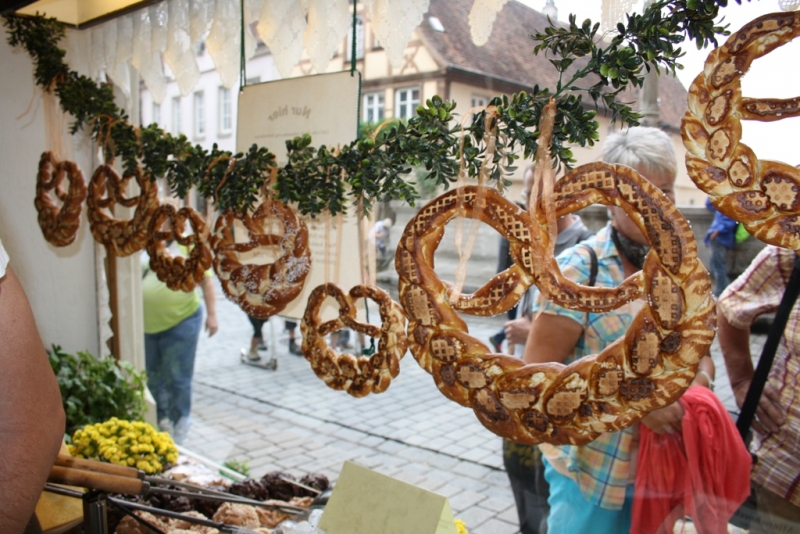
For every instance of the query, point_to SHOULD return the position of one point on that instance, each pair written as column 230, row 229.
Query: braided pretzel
column 648, row 368
column 357, row 376
column 764, row 195
column 180, row 274
column 122, row 238
column 262, row 290
column 59, row 225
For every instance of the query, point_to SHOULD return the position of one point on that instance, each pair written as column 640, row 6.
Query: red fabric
column 702, row 473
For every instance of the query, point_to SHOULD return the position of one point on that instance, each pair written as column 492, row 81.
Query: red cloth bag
column 702, row 473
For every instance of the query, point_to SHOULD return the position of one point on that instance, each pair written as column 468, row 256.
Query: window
column 373, row 107
column 480, row 100
column 406, row 102
column 176, row 115
column 225, row 119
column 199, row 115
column 156, row 118
column 359, row 40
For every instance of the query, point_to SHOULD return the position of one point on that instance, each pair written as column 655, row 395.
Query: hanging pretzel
column 262, row 290
column 358, row 376
column 179, row 273
column 106, row 188
column 59, row 224
column 647, row 369
column 764, row 195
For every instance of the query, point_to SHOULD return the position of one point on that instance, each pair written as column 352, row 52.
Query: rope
column 242, row 68
column 353, row 63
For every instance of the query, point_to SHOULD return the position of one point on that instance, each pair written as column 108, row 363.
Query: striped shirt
column 757, row 291
column 605, row 467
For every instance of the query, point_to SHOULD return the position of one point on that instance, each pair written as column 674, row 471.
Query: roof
column 508, row 56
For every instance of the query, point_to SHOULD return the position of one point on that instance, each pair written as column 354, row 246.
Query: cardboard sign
column 365, row 502
column 326, row 107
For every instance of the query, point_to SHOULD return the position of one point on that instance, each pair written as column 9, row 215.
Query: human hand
column 769, row 415
column 211, row 325
column 665, row 420
column 517, row 330
column 714, row 234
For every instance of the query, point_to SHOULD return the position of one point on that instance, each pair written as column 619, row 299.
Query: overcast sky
column 775, row 75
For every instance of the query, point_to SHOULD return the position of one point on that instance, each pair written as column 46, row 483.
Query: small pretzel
column 106, row 188
column 358, row 376
column 59, row 225
column 648, row 368
column 764, row 195
column 262, row 290
column 180, row 274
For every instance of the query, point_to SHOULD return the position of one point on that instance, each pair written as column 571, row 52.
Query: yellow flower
column 462, row 528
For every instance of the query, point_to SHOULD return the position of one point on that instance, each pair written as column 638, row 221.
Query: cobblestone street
column 289, row 420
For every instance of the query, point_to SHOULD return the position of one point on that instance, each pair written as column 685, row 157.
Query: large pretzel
column 358, row 376
column 648, row 368
column 106, row 188
column 262, row 290
column 59, row 224
column 764, row 195
column 180, row 274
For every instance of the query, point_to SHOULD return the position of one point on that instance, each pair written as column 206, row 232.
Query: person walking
column 720, row 240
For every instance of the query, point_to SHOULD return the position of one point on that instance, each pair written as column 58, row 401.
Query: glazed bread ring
column 59, row 224
column 648, row 368
column 106, row 188
column 179, row 273
column 358, row 376
column 764, row 195
column 262, row 290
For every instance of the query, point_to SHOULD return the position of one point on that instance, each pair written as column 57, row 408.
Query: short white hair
column 648, row 150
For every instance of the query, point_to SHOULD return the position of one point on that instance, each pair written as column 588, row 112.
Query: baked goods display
column 179, row 273
column 764, row 195
column 358, row 376
column 107, row 189
column 648, row 368
column 59, row 223
column 262, row 290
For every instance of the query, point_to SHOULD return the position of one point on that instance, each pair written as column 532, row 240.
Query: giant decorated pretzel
column 650, row 367
column 764, row 195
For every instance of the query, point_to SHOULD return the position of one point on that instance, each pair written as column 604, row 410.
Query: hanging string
column 242, row 68
column 353, row 65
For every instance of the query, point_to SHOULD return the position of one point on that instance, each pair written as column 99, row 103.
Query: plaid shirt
column 603, row 468
column 758, row 291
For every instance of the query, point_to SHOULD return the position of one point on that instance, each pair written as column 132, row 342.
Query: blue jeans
column 571, row 513
column 718, row 258
column 169, row 358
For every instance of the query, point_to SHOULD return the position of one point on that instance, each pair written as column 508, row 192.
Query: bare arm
column 31, row 414
column 552, row 338
column 735, row 345
column 211, row 305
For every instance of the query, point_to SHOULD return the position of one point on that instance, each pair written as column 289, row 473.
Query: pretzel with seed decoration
column 179, row 273
column 764, row 195
column 59, row 224
column 262, row 290
column 358, row 376
column 106, row 188
column 648, row 368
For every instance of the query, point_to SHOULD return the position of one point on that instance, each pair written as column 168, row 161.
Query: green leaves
column 94, row 390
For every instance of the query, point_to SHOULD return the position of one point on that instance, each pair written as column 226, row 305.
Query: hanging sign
column 326, row 107
column 365, row 502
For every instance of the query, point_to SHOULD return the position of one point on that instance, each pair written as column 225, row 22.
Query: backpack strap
column 593, row 266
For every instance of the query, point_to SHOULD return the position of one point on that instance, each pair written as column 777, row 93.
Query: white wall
column 59, row 282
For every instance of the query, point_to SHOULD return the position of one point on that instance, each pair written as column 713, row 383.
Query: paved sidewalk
column 288, row 419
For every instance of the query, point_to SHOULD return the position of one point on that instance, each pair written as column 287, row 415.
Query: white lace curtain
column 168, row 33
